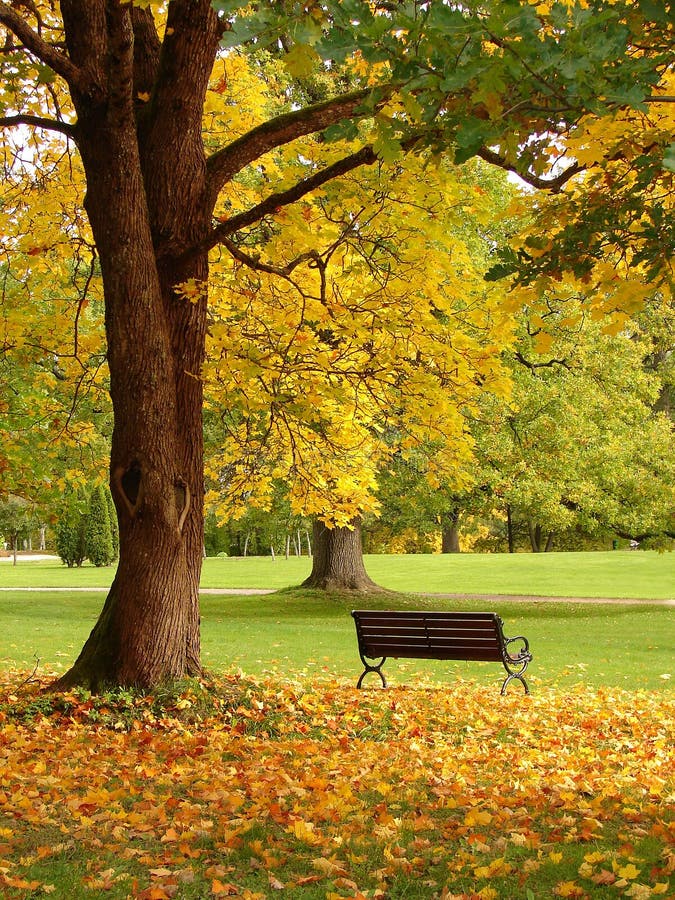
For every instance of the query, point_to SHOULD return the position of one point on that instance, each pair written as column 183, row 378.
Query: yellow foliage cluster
column 53, row 371
column 361, row 327
column 627, row 195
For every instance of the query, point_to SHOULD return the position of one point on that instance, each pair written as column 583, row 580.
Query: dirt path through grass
column 493, row 598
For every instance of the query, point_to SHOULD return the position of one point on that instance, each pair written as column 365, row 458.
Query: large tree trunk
column 337, row 561
column 535, row 536
column 150, row 195
column 148, row 630
column 450, row 532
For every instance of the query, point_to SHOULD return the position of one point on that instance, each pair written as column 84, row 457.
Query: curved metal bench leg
column 368, row 668
column 510, row 677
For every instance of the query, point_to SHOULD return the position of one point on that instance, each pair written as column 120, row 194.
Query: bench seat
column 413, row 634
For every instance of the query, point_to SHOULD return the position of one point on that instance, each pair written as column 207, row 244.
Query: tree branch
column 253, row 262
column 183, row 66
column 364, row 157
column 39, row 122
column 34, row 44
column 283, row 129
column 541, row 365
column 147, row 48
column 545, row 184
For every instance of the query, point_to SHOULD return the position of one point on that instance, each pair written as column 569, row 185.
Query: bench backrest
column 429, row 635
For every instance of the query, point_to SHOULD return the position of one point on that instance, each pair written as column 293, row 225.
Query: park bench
column 437, row 635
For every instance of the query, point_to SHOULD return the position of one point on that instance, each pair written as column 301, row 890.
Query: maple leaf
column 629, row 871
column 604, row 877
column 568, row 889
column 220, row 889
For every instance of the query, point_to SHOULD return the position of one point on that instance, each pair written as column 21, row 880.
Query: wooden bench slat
column 415, row 634
column 423, row 651
column 426, row 653
column 434, row 634
column 366, row 616
column 427, row 640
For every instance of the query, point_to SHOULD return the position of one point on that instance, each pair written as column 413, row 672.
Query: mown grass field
column 295, row 630
column 274, row 777
column 620, row 574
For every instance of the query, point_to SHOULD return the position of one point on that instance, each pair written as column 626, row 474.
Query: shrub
column 70, row 535
column 99, row 539
column 114, row 527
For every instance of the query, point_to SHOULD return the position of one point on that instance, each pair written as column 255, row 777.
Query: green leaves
column 669, row 158
column 522, row 67
column 471, row 136
column 345, row 130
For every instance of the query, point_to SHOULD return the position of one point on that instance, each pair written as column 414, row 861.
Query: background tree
column 112, row 520
column 377, row 344
column 70, row 531
column 128, row 89
column 18, row 519
column 98, row 530
column 580, row 444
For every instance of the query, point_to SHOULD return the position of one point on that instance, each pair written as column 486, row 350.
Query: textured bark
column 537, row 539
column 509, row 531
column 535, row 536
column 450, row 532
column 148, row 630
column 337, row 561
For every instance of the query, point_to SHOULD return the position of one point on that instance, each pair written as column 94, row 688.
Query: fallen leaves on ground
column 264, row 788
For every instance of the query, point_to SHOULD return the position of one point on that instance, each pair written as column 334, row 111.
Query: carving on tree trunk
column 182, row 501
column 130, row 486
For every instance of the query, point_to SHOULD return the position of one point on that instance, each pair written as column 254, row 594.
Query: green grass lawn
column 413, row 769
column 619, row 574
column 299, row 631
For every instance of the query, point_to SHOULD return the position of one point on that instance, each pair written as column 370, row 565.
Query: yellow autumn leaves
column 362, row 794
column 360, row 327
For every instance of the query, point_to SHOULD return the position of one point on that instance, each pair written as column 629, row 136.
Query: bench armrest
column 523, row 652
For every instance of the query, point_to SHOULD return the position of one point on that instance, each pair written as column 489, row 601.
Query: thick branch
column 541, row 365
column 545, row 184
column 363, row 157
column 39, row 122
column 253, row 262
column 57, row 61
column 147, row 49
column 183, row 66
column 224, row 164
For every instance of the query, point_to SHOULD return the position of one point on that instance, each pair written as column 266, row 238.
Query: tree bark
column 509, row 531
column 148, row 630
column 337, row 561
column 150, row 196
column 450, row 532
column 535, row 537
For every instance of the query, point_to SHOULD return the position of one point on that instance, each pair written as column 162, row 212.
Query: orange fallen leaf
column 218, row 889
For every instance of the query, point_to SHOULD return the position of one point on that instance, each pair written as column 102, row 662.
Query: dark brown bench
column 437, row 635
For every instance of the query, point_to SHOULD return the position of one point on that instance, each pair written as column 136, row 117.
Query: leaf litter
column 266, row 787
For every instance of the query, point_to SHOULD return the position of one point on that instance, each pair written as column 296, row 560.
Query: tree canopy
column 129, row 105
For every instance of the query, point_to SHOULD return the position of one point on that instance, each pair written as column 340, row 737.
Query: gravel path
column 527, row 598
column 495, row 598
